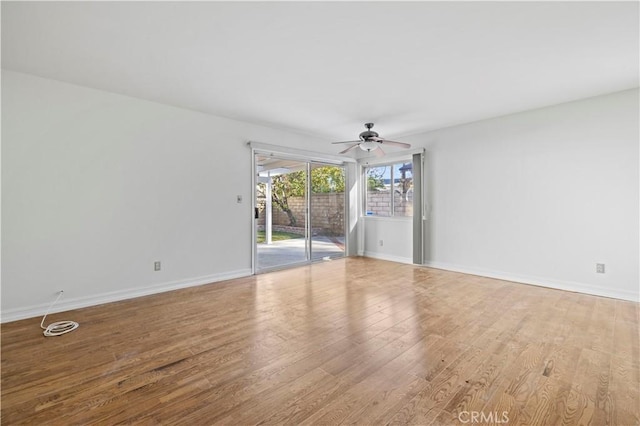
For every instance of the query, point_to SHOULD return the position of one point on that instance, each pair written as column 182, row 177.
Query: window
column 389, row 190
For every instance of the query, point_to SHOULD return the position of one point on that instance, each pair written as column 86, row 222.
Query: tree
column 324, row 179
column 285, row 186
column 375, row 178
column 327, row 179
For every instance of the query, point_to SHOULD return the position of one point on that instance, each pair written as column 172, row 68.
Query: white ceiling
column 328, row 67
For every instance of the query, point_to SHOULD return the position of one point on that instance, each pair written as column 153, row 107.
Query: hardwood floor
column 351, row 341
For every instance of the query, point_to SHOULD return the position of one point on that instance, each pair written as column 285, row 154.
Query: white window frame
column 383, row 162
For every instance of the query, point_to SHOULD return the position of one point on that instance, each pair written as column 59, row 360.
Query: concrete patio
column 286, row 252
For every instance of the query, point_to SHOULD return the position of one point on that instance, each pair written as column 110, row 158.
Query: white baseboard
column 83, row 302
column 114, row 296
column 539, row 281
column 389, row 257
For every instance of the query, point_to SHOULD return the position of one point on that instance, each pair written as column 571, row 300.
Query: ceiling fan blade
column 394, row 143
column 348, row 149
column 346, row 142
column 378, row 152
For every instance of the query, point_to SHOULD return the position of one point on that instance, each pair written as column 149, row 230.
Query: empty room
column 320, row 213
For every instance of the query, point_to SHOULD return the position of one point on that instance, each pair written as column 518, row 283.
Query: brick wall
column 327, row 213
column 379, row 203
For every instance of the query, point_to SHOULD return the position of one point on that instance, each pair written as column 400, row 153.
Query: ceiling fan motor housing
column 368, row 134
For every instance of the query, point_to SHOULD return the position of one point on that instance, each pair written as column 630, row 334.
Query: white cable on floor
column 60, row 327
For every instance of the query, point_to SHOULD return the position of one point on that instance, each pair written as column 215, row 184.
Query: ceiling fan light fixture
column 368, row 146
column 370, row 141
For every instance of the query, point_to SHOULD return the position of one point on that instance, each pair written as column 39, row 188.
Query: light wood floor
column 349, row 341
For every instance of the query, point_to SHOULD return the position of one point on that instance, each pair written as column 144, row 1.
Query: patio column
column 268, row 218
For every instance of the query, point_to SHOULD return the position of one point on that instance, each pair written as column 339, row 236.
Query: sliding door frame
column 309, row 158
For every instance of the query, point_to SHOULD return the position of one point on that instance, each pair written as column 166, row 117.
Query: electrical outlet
column 239, row 199
column 156, row 265
column 380, row 243
column 600, row 268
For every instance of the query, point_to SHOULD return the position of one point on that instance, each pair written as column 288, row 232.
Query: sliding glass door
column 299, row 212
column 281, row 212
column 327, row 211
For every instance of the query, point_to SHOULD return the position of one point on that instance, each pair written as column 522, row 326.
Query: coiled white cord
column 60, row 327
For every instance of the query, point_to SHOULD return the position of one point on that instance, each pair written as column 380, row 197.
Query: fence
column 379, row 203
column 327, row 213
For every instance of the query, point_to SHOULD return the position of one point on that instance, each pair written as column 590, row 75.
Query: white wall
column 97, row 186
column 540, row 196
column 396, row 235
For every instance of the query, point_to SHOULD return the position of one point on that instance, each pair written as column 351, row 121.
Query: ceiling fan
column 370, row 141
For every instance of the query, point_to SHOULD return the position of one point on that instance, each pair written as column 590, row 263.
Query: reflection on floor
column 286, row 252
